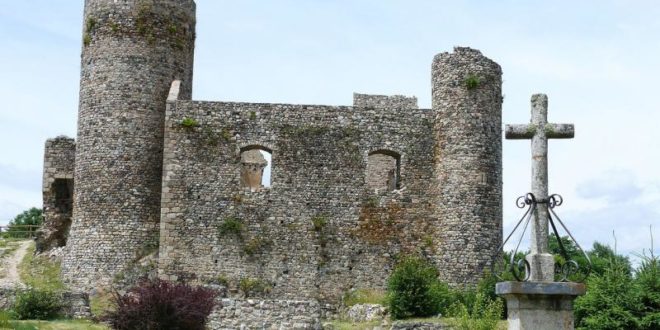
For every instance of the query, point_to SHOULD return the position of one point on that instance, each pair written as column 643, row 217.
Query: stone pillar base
column 540, row 305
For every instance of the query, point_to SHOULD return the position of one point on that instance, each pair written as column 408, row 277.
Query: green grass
column 365, row 296
column 348, row 325
column 39, row 272
column 4, row 241
column 56, row 325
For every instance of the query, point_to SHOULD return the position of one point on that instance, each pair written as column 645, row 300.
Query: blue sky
column 596, row 60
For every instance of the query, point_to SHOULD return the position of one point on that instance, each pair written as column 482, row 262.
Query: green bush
column 415, row 291
column 34, row 304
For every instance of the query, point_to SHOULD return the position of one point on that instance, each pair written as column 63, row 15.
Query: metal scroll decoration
column 518, row 266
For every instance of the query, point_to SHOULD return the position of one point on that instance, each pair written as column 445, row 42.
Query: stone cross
column 539, row 131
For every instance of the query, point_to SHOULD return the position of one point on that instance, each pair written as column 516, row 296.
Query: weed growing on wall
column 189, row 122
column 472, row 81
column 319, row 222
column 253, row 286
column 231, row 226
column 254, row 246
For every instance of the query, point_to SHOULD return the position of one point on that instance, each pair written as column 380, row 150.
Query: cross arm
column 527, row 131
column 518, row 132
column 559, row 131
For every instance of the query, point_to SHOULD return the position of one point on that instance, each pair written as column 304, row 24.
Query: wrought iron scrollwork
column 569, row 266
column 519, row 268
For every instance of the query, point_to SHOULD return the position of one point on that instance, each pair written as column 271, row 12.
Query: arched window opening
column 256, row 167
column 384, row 170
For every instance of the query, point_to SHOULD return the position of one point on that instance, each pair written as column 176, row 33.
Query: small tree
column 647, row 279
column 612, row 301
column 31, row 217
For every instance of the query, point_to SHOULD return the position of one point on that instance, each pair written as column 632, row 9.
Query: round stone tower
column 132, row 51
column 467, row 101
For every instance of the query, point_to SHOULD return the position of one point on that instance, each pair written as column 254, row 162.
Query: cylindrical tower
column 132, row 51
column 467, row 101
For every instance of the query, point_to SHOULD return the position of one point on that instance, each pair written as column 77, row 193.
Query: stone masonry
column 59, row 158
column 131, row 52
column 467, row 102
column 352, row 187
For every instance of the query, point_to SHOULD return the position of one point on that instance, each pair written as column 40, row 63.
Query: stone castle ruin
column 351, row 187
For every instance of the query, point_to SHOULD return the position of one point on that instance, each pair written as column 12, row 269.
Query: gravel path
column 10, row 263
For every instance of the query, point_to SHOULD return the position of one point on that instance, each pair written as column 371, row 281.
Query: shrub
column 415, row 291
column 161, row 304
column 35, row 304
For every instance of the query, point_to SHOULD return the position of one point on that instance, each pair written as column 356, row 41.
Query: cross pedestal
column 540, row 303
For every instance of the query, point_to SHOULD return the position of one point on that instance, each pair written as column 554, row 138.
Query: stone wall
column 57, row 192
column 319, row 230
column 131, row 52
column 384, row 101
column 265, row 314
